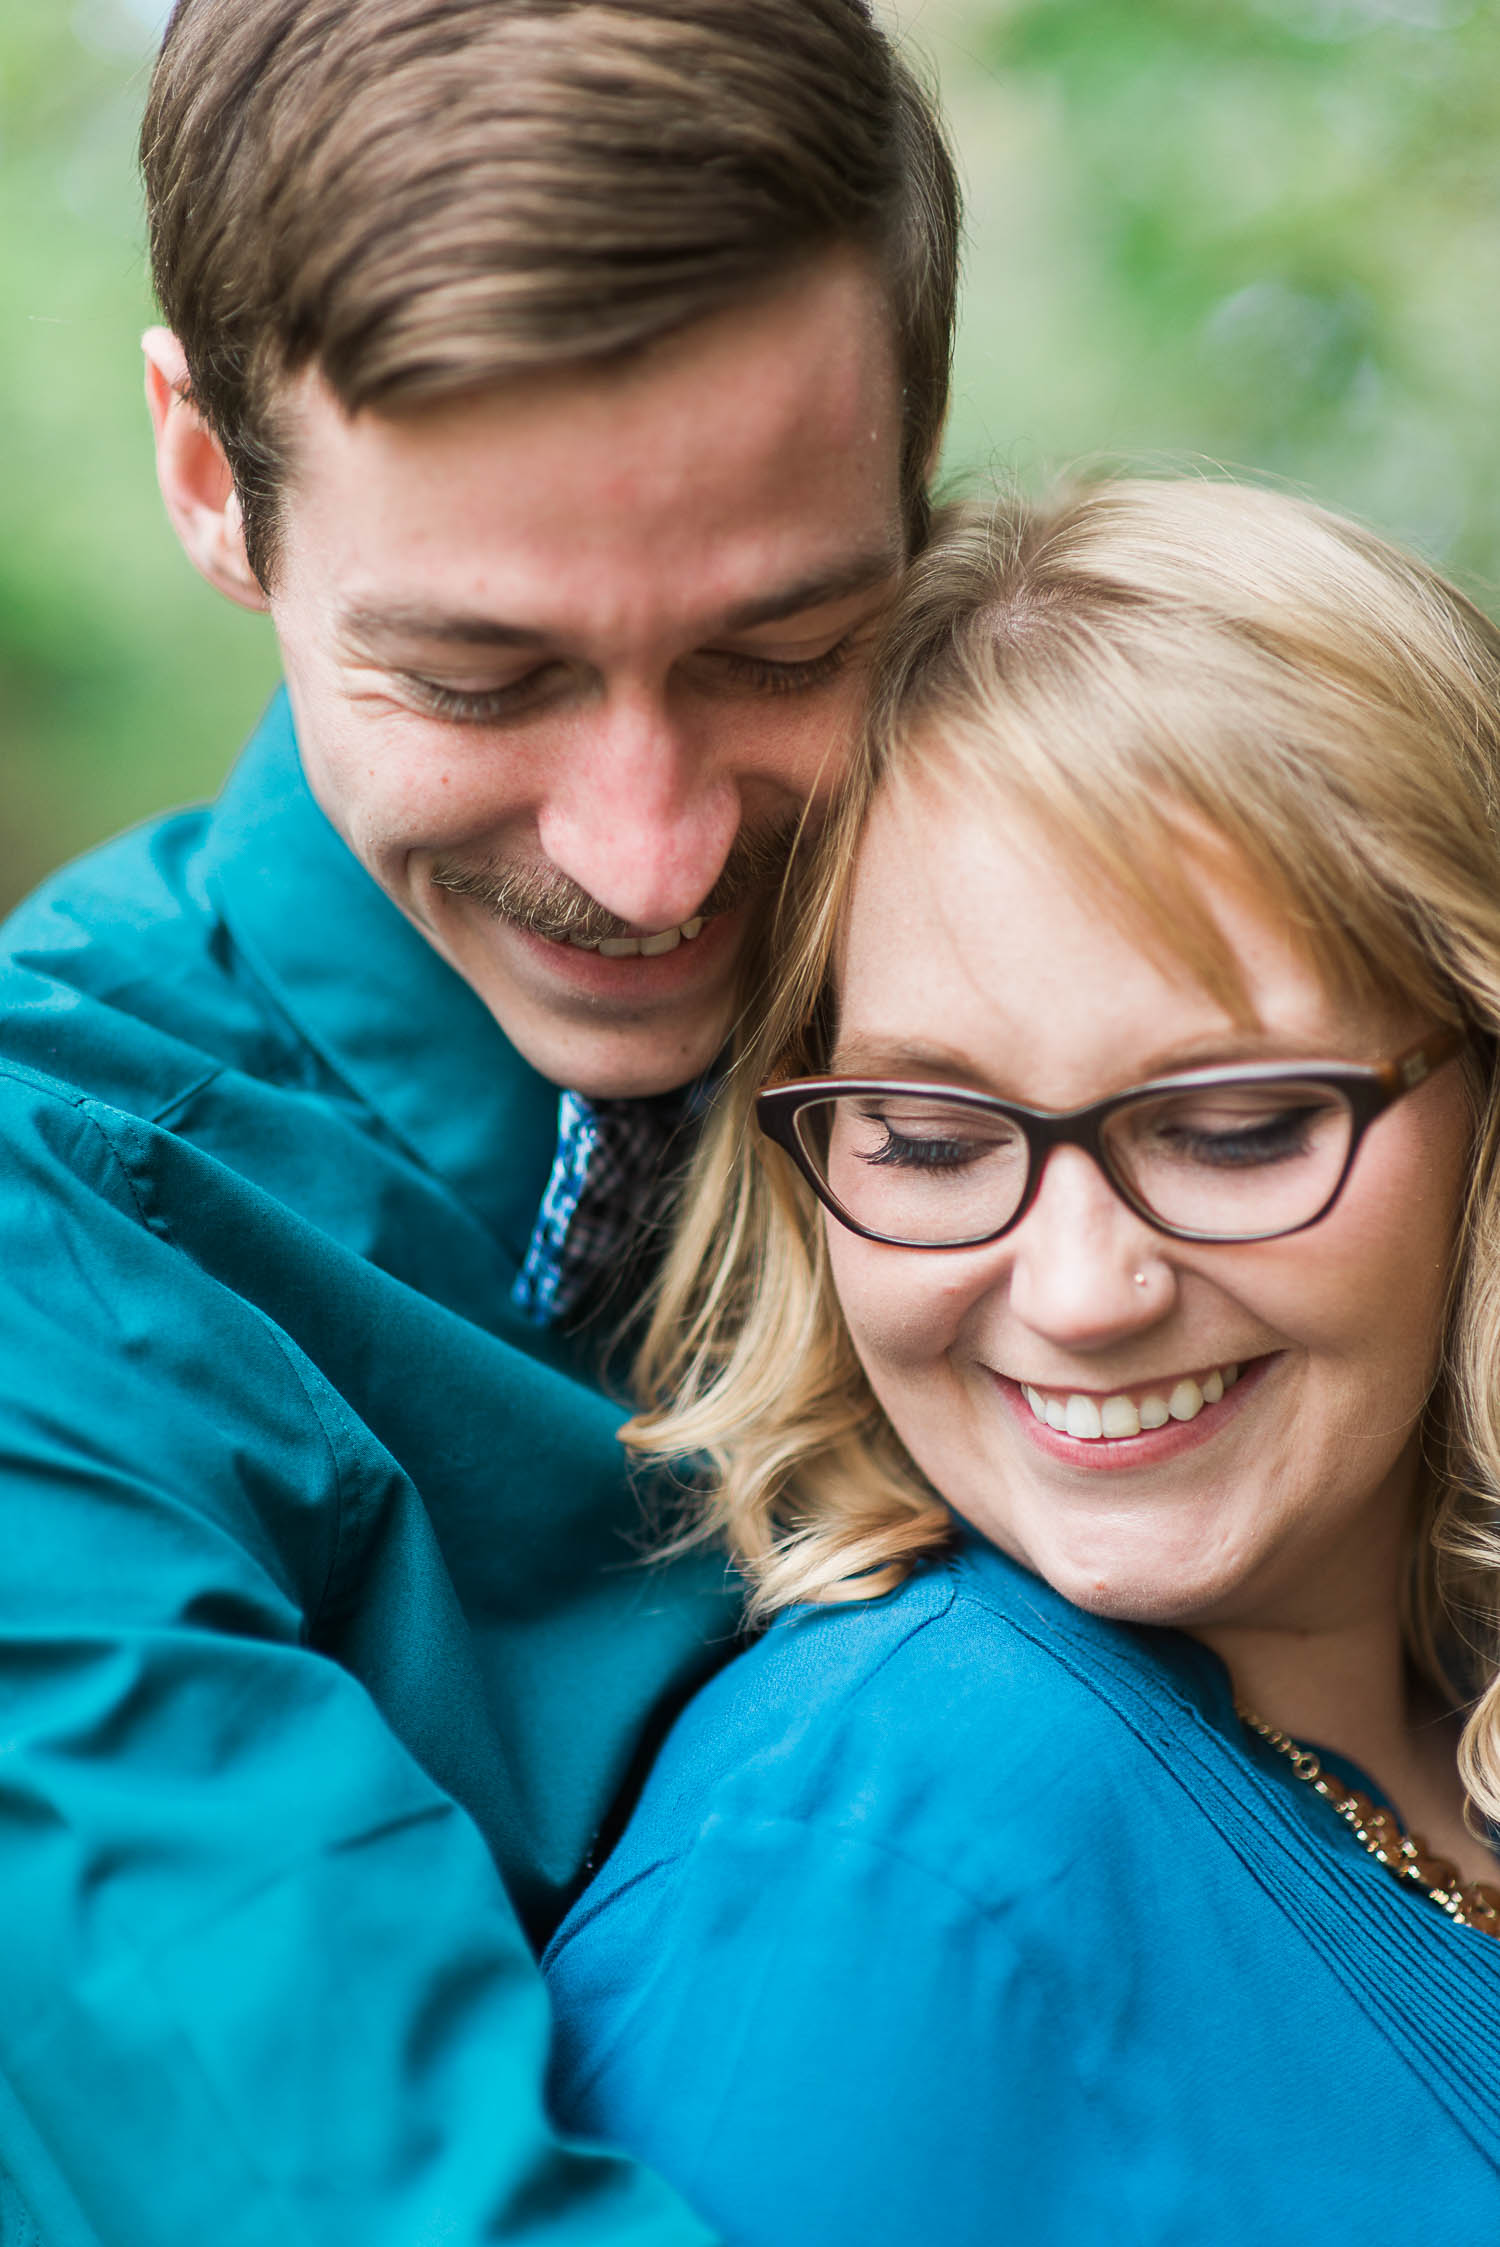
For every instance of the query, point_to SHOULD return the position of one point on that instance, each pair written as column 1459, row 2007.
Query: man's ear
column 194, row 476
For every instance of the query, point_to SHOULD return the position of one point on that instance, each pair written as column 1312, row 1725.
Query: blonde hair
column 1132, row 657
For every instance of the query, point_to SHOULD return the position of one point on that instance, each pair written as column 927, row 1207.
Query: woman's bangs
column 1156, row 809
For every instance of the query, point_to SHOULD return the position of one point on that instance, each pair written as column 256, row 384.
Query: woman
column 1099, row 1379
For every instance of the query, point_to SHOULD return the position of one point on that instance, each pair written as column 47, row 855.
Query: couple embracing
column 977, row 1033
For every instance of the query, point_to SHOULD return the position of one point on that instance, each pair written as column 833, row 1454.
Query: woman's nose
column 1079, row 1257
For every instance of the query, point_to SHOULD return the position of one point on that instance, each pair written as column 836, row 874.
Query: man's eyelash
column 791, row 678
column 475, row 708
column 753, row 670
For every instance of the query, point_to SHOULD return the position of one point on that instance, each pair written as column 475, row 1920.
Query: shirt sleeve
column 816, row 2038
column 260, row 1984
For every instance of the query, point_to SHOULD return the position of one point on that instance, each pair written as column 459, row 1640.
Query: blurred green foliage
column 1259, row 233
column 124, row 683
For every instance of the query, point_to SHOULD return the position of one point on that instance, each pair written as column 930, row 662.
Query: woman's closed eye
column 906, row 1152
column 927, row 1140
column 1237, row 1141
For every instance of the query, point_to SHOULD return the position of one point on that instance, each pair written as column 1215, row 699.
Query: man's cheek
column 394, row 798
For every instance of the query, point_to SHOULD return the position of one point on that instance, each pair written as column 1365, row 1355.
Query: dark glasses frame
column 1367, row 1091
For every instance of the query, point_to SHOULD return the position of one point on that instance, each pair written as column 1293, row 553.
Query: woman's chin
column 1131, row 1572
column 1126, row 1596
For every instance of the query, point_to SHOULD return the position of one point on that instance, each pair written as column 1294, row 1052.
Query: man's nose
column 638, row 813
column 1076, row 1255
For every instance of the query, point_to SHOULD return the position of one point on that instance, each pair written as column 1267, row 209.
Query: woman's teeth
column 1115, row 1418
column 640, row 947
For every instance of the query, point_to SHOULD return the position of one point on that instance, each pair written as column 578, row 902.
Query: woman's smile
column 1131, row 1425
column 1124, row 1413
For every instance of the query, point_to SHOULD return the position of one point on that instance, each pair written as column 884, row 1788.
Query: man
column 563, row 375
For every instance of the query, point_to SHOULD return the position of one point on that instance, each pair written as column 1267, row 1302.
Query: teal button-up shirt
column 324, row 1644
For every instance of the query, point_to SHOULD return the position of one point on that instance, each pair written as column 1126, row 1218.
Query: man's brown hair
column 422, row 198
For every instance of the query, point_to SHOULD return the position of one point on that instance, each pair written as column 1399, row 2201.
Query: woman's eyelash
column 921, row 1154
column 1279, row 1139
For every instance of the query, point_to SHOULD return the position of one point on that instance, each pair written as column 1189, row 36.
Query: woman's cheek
column 902, row 1310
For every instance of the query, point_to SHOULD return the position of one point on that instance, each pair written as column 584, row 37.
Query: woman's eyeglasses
column 1212, row 1155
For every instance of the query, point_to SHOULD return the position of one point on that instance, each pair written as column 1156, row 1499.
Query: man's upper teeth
column 642, row 947
column 1090, row 1418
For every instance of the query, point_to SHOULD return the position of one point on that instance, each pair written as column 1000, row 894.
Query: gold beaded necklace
column 1472, row 1903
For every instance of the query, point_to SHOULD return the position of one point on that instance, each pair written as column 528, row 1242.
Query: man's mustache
column 545, row 902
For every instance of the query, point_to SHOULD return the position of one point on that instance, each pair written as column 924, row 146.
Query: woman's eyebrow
column 921, row 1060
column 869, row 1057
column 1247, row 1047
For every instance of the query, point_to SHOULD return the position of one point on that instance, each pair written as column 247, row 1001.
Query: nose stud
column 1140, row 1279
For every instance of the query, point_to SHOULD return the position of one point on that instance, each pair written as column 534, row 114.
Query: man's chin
column 623, row 1065
column 608, row 1028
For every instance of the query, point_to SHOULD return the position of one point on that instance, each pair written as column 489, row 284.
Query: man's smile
column 651, row 947
column 624, row 970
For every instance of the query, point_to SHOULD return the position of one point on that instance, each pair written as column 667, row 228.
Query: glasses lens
column 1236, row 1160
column 916, row 1168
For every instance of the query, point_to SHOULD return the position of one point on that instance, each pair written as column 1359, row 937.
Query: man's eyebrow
column 404, row 622
column 859, row 574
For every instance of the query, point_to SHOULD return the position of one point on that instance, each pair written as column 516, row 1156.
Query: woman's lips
column 1158, row 1437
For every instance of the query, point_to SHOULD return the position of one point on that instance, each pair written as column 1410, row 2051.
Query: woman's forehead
column 972, row 937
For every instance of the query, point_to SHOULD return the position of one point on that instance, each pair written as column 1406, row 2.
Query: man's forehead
column 607, row 506
column 818, row 348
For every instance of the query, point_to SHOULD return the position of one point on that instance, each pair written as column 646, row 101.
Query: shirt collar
column 1158, row 1658
column 369, row 994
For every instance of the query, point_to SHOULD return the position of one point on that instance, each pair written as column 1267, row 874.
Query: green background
column 1256, row 233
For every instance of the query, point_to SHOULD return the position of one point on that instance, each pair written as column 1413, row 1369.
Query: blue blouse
column 966, row 1916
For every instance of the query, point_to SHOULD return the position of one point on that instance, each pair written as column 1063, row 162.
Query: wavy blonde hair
column 1128, row 659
